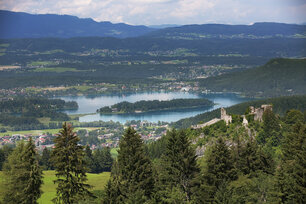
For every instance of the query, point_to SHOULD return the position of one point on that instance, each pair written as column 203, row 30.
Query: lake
column 89, row 104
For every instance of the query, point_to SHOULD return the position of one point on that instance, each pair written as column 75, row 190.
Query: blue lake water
column 89, row 104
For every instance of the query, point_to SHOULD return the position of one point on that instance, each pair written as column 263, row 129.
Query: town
column 95, row 137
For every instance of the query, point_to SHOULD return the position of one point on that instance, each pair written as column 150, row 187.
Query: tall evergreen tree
column 179, row 166
column 23, row 175
column 5, row 151
column 291, row 174
column 134, row 171
column 89, row 159
column 271, row 129
column 113, row 192
column 45, row 159
column 218, row 172
column 70, row 167
column 102, row 160
column 252, row 159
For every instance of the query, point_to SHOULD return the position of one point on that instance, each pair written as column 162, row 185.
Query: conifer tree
column 134, row 166
column 291, row 174
column 252, row 159
column 179, row 166
column 70, row 167
column 113, row 193
column 45, row 160
column 103, row 160
column 219, row 171
column 134, row 172
column 271, row 129
column 89, row 159
column 23, row 175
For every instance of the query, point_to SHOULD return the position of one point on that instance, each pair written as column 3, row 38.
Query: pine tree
column 32, row 189
column 108, row 160
column 68, row 160
column 179, row 166
column 23, row 175
column 113, row 193
column 89, row 159
column 103, row 160
column 271, row 130
column 134, row 171
column 45, row 160
column 252, row 159
column 219, row 171
column 291, row 175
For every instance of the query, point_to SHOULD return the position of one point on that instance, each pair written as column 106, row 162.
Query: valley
column 101, row 112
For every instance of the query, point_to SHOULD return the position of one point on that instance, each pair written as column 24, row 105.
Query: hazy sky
column 153, row 12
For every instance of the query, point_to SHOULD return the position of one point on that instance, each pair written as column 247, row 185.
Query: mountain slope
column 24, row 25
column 277, row 77
column 257, row 30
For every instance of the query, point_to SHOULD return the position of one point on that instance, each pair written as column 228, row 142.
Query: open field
column 8, row 67
column 39, row 132
column 98, row 181
column 56, row 69
column 55, row 88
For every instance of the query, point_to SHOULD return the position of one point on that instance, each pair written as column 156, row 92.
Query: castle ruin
column 258, row 112
column 225, row 117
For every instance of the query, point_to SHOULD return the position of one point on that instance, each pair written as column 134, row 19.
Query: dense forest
column 22, row 113
column 258, row 163
column 155, row 105
column 277, row 77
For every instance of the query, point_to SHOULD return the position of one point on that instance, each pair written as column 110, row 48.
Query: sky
column 157, row 12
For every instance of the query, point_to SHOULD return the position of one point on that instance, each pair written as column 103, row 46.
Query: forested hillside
column 23, row 113
column 277, row 77
column 280, row 106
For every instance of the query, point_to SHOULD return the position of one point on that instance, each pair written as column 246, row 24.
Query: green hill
column 277, row 77
column 280, row 106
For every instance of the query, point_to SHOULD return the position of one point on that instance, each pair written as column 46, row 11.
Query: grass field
column 98, row 181
column 39, row 132
column 56, row 69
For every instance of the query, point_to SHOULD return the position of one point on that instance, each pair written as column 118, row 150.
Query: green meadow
column 56, row 69
column 39, row 132
column 98, row 181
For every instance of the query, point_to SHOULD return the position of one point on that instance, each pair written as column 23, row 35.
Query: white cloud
column 168, row 11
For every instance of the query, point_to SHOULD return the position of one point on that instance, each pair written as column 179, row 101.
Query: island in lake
column 155, row 105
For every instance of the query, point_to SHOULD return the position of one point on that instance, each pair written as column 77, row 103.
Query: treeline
column 280, row 106
column 277, row 77
column 155, row 105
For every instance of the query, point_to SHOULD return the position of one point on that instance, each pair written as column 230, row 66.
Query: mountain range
column 25, row 25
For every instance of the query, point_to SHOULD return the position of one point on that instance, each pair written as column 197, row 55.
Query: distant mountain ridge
column 24, row 25
column 257, row 30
